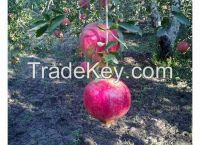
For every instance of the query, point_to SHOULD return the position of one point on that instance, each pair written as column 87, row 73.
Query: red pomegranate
column 183, row 46
column 82, row 17
column 65, row 22
column 67, row 10
column 107, row 100
column 84, row 3
column 93, row 39
column 84, row 65
column 103, row 2
column 96, row 57
column 58, row 34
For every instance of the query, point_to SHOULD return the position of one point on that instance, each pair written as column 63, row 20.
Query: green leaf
column 55, row 22
column 110, row 58
column 161, row 31
column 38, row 24
column 47, row 17
column 113, row 25
column 57, row 11
column 181, row 18
column 110, row 44
column 131, row 28
column 165, row 22
column 41, row 31
column 120, row 39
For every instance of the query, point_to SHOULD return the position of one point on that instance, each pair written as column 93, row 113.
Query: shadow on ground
column 51, row 112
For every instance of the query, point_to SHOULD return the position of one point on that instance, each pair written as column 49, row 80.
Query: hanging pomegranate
column 107, row 100
column 93, row 39
column 183, row 46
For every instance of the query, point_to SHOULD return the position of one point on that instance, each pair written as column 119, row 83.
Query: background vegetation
column 51, row 112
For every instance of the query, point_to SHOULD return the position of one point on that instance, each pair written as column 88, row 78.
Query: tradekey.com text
column 79, row 72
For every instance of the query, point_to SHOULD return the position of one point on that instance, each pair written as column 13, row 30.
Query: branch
column 156, row 18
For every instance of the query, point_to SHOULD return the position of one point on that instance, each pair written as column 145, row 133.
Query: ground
column 51, row 112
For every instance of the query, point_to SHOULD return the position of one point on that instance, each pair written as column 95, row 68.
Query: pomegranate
column 96, row 58
column 67, row 10
column 107, row 100
column 84, row 3
column 120, row 20
column 183, row 46
column 82, row 17
column 65, row 22
column 84, row 65
column 93, row 39
column 103, row 3
column 58, row 34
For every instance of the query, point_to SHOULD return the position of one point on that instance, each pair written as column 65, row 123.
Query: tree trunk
column 166, row 42
column 173, row 30
column 156, row 18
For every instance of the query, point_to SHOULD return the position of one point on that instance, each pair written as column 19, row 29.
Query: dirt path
column 51, row 112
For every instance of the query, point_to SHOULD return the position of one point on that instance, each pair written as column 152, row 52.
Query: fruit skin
column 84, row 3
column 103, row 3
column 67, row 10
column 84, row 66
column 107, row 100
column 183, row 46
column 65, row 22
column 58, row 34
column 94, row 33
column 96, row 58
column 82, row 17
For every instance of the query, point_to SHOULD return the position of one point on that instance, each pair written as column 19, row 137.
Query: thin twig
column 50, row 2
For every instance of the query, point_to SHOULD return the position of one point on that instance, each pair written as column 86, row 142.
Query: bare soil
column 51, row 112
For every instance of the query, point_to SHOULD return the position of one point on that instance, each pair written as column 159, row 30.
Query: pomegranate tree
column 107, row 100
column 183, row 46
